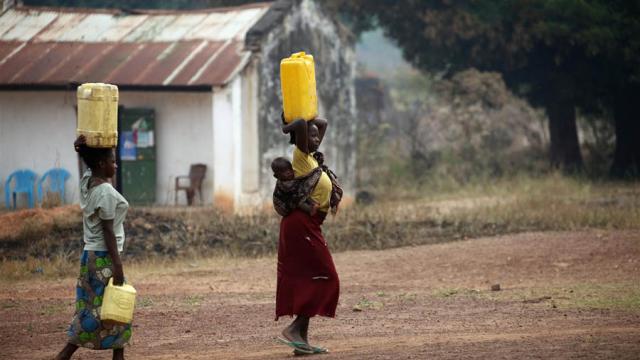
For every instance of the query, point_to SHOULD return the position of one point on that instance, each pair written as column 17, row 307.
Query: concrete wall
column 225, row 145
column 37, row 130
column 235, row 143
column 306, row 27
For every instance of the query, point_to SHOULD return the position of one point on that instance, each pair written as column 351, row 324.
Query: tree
column 621, row 85
column 553, row 52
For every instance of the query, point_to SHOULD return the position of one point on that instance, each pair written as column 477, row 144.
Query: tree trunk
column 626, row 160
column 563, row 133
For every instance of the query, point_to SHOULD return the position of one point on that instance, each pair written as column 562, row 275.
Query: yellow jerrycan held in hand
column 118, row 303
column 98, row 114
column 298, row 81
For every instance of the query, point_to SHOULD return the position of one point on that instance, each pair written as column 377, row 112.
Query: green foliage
column 524, row 40
column 559, row 54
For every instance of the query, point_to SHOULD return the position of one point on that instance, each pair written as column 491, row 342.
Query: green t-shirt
column 101, row 202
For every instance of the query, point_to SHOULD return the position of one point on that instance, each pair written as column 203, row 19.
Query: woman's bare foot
column 304, row 332
column 297, row 332
column 292, row 335
column 66, row 353
column 118, row 354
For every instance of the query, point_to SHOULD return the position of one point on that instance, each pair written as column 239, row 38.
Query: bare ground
column 563, row 296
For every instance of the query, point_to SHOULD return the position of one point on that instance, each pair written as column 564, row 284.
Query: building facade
column 207, row 82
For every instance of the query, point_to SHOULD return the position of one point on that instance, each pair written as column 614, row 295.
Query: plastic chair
column 57, row 177
column 25, row 182
column 196, row 175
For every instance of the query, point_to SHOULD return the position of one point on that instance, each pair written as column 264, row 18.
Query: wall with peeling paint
column 305, row 27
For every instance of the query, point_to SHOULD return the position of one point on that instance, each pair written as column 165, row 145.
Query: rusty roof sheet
column 58, row 47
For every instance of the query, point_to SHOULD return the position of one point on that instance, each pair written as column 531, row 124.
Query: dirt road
column 563, row 295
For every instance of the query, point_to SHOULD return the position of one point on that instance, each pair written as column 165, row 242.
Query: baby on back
column 293, row 192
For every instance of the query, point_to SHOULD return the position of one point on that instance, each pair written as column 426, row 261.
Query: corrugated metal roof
column 54, row 47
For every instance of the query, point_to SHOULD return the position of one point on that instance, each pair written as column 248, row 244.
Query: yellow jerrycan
column 118, row 303
column 298, row 81
column 98, row 114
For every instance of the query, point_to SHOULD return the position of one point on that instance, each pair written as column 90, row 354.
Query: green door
column 137, row 155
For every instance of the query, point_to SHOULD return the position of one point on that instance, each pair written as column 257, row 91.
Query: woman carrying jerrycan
column 103, row 213
column 104, row 305
column 307, row 283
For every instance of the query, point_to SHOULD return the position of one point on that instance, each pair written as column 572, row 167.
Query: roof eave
column 73, row 87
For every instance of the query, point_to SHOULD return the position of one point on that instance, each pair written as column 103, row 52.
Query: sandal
column 300, row 347
column 316, row 350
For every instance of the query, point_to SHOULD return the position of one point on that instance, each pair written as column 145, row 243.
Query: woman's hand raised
column 295, row 126
column 80, row 141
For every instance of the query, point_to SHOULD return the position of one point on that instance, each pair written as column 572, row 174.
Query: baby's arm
column 308, row 206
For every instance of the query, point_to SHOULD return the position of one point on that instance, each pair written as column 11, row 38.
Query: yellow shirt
column 303, row 164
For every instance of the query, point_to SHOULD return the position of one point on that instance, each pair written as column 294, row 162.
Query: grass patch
column 611, row 296
column 367, row 304
column 407, row 297
column 618, row 296
column 193, row 300
column 50, row 310
column 9, row 305
column 143, row 302
column 456, row 292
column 46, row 242
column 39, row 268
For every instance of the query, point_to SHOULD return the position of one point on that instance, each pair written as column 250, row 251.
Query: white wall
column 225, row 141
column 236, row 153
column 250, row 196
column 250, row 145
column 184, row 136
column 37, row 130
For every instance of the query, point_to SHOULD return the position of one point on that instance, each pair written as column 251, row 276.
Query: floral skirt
column 86, row 329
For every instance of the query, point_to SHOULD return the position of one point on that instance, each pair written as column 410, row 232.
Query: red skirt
column 308, row 283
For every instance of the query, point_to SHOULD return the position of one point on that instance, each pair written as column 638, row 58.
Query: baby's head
column 282, row 169
column 319, row 157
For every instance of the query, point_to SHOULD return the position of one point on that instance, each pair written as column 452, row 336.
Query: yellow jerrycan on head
column 298, row 81
column 118, row 303
column 98, row 114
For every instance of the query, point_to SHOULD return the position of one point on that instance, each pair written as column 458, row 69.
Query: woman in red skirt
column 308, row 283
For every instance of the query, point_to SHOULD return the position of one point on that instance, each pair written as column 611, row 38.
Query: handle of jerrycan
column 124, row 282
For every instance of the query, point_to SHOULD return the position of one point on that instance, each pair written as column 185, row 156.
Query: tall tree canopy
column 559, row 54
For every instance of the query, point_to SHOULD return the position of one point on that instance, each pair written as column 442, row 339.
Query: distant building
column 198, row 86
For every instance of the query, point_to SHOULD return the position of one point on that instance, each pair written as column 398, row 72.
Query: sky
column 369, row 50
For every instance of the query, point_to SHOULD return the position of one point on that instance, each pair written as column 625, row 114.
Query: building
column 205, row 84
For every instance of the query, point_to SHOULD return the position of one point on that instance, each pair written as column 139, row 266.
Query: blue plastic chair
column 57, row 177
column 25, row 182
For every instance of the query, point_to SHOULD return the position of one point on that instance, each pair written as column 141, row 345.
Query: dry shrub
column 552, row 202
column 32, row 223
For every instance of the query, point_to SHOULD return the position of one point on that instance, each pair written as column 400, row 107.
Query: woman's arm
column 112, row 248
column 299, row 128
column 80, row 141
column 321, row 124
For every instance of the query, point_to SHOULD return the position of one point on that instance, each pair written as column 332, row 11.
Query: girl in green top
column 103, row 213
